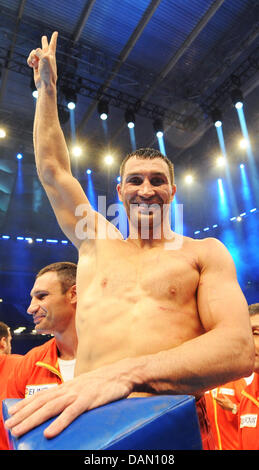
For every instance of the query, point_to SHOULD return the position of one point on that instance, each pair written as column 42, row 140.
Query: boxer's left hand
column 72, row 398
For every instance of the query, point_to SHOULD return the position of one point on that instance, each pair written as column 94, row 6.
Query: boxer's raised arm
column 51, row 154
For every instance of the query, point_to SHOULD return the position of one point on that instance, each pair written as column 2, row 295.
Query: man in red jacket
column 249, row 404
column 7, row 363
column 222, row 407
column 53, row 307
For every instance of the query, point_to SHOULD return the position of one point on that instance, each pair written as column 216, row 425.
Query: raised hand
column 43, row 62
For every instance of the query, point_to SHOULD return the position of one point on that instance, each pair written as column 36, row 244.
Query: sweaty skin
column 149, row 319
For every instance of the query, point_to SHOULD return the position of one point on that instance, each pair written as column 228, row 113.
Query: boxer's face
column 255, row 328
column 50, row 308
column 146, row 183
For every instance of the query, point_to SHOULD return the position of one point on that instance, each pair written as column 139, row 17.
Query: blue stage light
column 5, row 237
column 90, row 189
column 71, row 105
column 19, row 156
column 118, row 179
column 161, row 143
column 239, row 105
column 223, row 204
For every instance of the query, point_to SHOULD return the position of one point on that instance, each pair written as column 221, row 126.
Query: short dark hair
column 253, row 309
column 66, row 272
column 4, row 330
column 149, row 154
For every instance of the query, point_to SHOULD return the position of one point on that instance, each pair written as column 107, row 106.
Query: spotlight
column 71, row 105
column 130, row 119
column 108, row 159
column 158, row 127
column 2, row 134
column 237, row 98
column 19, row 156
column 221, row 161
column 118, row 179
column 242, row 165
column 216, row 117
column 243, row 143
column 103, row 109
column 77, row 151
column 188, row 179
column 88, row 171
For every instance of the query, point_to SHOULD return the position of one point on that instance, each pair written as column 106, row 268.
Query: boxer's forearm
column 216, row 357
column 50, row 146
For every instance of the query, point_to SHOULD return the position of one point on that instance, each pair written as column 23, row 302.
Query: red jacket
column 7, row 363
column 37, row 371
column 224, row 424
column 249, row 416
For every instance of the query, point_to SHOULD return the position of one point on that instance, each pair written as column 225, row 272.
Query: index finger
column 44, row 43
column 53, row 42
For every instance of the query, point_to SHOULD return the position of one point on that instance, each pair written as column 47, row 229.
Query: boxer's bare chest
column 113, row 266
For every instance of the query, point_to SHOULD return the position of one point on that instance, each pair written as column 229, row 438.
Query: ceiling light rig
column 130, row 118
column 216, row 117
column 158, row 127
column 237, row 98
column 70, row 95
column 103, row 109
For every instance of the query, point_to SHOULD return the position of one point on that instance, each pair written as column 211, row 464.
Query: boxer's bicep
column 220, row 298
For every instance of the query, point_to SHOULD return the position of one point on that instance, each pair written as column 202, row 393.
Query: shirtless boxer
column 149, row 319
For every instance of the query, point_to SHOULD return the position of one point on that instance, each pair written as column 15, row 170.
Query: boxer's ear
column 119, row 191
column 72, row 294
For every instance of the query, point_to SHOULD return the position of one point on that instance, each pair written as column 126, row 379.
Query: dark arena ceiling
column 173, row 60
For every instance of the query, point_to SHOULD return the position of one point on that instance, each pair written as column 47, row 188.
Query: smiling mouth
column 146, row 205
column 38, row 319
